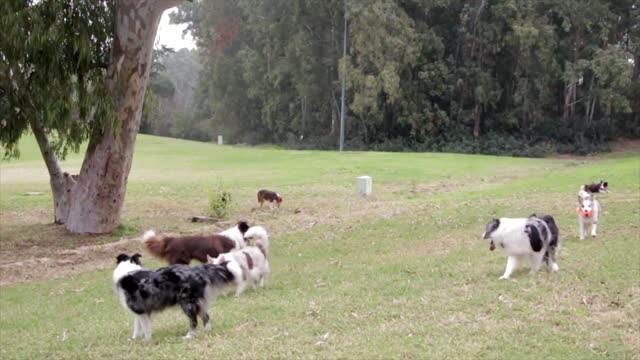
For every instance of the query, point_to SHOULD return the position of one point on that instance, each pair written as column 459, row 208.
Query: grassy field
column 400, row 274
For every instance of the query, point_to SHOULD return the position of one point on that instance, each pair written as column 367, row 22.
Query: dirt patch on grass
column 34, row 250
column 51, row 257
column 31, row 249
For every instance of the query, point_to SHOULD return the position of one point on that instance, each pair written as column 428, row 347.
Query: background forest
column 514, row 77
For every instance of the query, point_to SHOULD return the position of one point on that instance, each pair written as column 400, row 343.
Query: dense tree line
column 169, row 97
column 496, row 76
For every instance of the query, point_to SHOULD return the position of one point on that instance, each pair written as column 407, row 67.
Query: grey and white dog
column 145, row 292
column 535, row 238
column 588, row 212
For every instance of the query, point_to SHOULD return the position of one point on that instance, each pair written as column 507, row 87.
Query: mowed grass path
column 402, row 274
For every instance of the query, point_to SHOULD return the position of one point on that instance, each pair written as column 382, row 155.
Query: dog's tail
column 156, row 246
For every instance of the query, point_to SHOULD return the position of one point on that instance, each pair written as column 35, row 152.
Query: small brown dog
column 181, row 250
column 270, row 196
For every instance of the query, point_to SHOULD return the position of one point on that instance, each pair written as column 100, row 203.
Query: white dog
column 249, row 265
column 236, row 234
column 535, row 237
column 588, row 212
column 257, row 236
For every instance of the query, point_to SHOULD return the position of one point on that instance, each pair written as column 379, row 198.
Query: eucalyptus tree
column 74, row 72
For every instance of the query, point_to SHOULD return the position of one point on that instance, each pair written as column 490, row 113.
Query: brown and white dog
column 182, row 249
column 249, row 265
column 270, row 196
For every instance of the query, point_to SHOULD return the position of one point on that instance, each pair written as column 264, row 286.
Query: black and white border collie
column 145, row 292
column 535, row 237
column 601, row 187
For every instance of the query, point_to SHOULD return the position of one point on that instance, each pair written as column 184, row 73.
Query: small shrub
column 124, row 230
column 220, row 204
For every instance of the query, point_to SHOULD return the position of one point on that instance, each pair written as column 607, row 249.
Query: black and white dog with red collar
column 145, row 292
column 534, row 237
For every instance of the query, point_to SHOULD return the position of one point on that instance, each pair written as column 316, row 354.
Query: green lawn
column 401, row 274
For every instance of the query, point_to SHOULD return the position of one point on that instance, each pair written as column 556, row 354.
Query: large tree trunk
column 98, row 196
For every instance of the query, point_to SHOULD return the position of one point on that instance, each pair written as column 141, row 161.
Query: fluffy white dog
column 236, row 234
column 588, row 212
column 249, row 265
column 534, row 237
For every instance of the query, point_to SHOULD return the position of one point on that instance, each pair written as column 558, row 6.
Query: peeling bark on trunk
column 98, row 196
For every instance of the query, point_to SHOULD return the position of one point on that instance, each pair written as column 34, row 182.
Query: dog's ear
column 243, row 226
column 121, row 257
column 491, row 227
column 136, row 258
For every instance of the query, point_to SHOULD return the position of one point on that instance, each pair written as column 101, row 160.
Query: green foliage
column 422, row 72
column 125, row 230
column 220, row 204
column 54, row 55
column 169, row 99
column 161, row 85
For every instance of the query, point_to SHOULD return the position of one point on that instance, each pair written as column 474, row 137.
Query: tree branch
column 48, row 155
column 168, row 4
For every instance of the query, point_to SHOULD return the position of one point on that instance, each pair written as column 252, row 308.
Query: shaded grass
column 401, row 275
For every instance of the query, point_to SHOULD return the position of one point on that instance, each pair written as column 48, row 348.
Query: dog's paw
column 188, row 336
column 555, row 267
column 503, row 277
column 208, row 326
